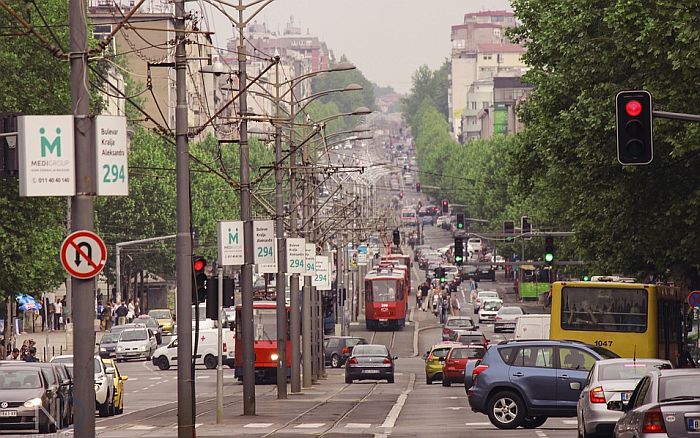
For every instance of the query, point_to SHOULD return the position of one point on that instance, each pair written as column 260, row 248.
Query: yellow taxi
column 434, row 359
column 119, row 379
column 164, row 318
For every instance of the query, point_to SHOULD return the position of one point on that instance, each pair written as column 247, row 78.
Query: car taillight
column 387, row 360
column 478, row 370
column 353, row 361
column 654, row 421
column 223, row 347
column 345, row 350
column 430, row 357
column 596, row 395
column 498, row 318
column 446, row 331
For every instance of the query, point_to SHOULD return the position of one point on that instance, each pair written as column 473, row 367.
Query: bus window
column 265, row 324
column 600, row 309
column 383, row 290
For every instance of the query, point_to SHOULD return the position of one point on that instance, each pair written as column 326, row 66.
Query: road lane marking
column 309, row 425
column 203, row 377
column 154, row 378
column 456, row 408
column 358, row 425
column 478, row 424
column 541, row 434
column 258, row 425
column 141, row 427
column 395, row 411
column 453, row 397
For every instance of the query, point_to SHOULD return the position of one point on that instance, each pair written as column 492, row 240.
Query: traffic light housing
column 633, row 121
column 460, row 221
column 213, row 296
column 396, row 237
column 508, row 228
column 459, row 251
column 549, row 249
column 445, row 206
column 525, row 225
column 199, row 292
column 440, row 274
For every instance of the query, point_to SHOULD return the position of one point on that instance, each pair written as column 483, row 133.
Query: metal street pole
column 307, row 332
column 294, row 304
column 82, row 219
column 183, row 241
column 220, row 351
column 247, row 326
column 280, row 285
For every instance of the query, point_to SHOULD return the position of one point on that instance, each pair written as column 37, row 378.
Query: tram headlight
column 274, row 356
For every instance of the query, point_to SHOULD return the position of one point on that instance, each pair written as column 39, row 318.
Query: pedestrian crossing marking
column 141, row 427
column 358, row 425
column 258, row 425
column 309, row 425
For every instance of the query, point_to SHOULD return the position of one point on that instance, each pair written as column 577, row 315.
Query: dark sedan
column 28, row 401
column 370, row 362
column 108, row 345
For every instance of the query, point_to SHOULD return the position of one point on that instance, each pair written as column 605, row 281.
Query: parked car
column 108, row 345
column 506, row 317
column 456, row 362
column 453, row 323
column 610, row 381
column 165, row 319
column 104, row 384
column 118, row 379
column 136, row 343
column 471, row 338
column 337, row 349
column 370, row 362
column 665, row 403
column 489, row 309
column 62, row 387
column 522, row 383
column 28, row 399
column 433, row 361
column 484, row 294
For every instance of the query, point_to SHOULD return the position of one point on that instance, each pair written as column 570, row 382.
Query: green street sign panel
column 296, row 256
column 112, row 155
column 46, row 155
column 264, row 242
column 230, row 243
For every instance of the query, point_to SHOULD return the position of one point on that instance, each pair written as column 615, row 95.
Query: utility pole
column 183, row 240
column 82, row 218
column 280, row 285
column 306, row 326
column 294, row 304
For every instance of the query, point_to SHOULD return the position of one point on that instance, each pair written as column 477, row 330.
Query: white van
column 535, row 326
column 207, row 349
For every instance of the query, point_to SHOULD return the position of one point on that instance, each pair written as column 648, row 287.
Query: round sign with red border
column 694, row 299
column 83, row 254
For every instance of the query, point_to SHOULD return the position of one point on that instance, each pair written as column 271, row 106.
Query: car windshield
column 351, row 342
column 460, row 322
column 364, row 350
column 19, row 379
column 383, row 290
column 483, row 295
column 150, row 322
column 470, row 339
column 510, row 311
column 109, row 338
column 679, row 387
column 492, row 305
column 159, row 314
column 627, row 370
column 134, row 335
column 265, row 324
column 467, row 353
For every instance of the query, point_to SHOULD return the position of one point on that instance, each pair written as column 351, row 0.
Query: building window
column 488, row 57
column 458, row 44
column 473, row 105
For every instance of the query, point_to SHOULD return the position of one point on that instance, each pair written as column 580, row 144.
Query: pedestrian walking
column 435, row 303
column 31, row 355
column 106, row 317
column 58, row 313
column 51, row 313
column 121, row 313
column 444, row 307
column 14, row 355
column 131, row 310
column 455, row 306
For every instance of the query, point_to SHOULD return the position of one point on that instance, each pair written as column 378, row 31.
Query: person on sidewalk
column 58, row 307
column 52, row 312
column 455, row 305
column 131, row 310
column 121, row 312
column 444, row 307
column 31, row 355
column 14, row 355
column 106, row 317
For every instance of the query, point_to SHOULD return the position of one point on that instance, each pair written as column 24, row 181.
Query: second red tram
column 386, row 299
column 265, row 341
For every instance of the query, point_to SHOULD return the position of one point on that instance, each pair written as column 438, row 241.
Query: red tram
column 265, row 341
column 386, row 298
column 402, row 261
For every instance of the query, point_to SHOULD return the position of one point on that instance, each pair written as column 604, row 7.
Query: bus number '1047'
column 603, row 343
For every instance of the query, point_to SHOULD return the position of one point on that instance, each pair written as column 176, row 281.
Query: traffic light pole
column 82, row 213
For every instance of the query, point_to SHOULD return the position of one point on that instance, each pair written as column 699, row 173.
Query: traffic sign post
column 83, row 254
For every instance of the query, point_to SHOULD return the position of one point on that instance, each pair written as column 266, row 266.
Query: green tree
column 427, row 84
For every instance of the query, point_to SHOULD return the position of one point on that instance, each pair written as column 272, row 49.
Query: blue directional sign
column 694, row 299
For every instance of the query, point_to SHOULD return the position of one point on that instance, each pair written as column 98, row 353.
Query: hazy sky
column 387, row 39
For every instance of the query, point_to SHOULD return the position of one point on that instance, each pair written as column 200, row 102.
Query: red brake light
column 498, row 318
column 633, row 108
column 596, row 395
column 346, row 350
column 478, row 370
column 387, row 360
column 654, row 421
column 446, row 330
column 430, row 357
column 223, row 347
column 353, row 361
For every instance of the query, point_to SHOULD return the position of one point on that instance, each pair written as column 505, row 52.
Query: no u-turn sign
column 83, row 254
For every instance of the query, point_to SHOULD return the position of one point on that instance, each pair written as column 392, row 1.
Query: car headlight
column 142, row 348
column 120, row 348
column 103, row 349
column 274, row 356
column 33, row 403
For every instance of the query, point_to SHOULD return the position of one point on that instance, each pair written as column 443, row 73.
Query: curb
column 416, row 332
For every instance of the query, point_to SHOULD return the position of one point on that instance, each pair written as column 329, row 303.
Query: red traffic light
column 633, row 108
column 199, row 265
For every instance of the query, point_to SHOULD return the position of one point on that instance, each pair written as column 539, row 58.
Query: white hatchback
column 136, row 343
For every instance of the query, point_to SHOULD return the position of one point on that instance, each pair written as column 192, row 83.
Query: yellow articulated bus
column 630, row 319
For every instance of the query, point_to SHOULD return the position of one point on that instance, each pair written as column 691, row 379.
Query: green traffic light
column 549, row 257
column 586, row 278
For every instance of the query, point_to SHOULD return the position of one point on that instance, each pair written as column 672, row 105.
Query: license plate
column 8, row 413
column 693, row 424
column 370, row 371
column 625, row 396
